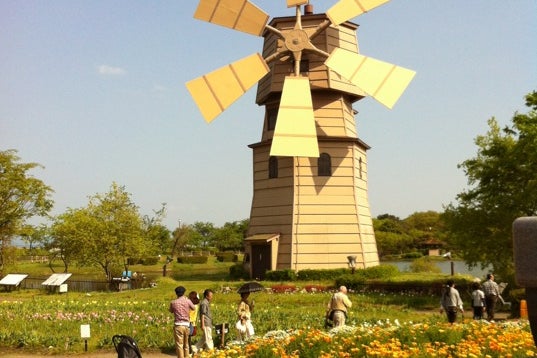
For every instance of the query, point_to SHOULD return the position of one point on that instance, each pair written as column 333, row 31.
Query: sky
column 94, row 91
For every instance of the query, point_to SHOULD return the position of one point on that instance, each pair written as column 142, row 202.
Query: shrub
column 424, row 264
column 314, row 275
column 192, row 259
column 361, row 276
column 237, row 272
column 281, row 275
column 412, row 255
column 227, row 257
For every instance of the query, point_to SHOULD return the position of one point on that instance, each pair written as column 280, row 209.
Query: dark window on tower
column 360, row 163
column 324, row 165
column 272, row 114
column 273, row 167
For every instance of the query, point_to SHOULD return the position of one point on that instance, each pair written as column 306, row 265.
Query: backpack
column 126, row 347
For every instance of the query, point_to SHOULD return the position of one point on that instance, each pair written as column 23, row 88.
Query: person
column 451, row 302
column 181, row 307
column 338, row 306
column 492, row 292
column 206, row 322
column 195, row 298
column 478, row 301
column 245, row 328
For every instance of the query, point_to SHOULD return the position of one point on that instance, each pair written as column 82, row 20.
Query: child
column 478, row 301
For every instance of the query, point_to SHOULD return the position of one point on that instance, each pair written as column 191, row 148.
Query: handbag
column 193, row 329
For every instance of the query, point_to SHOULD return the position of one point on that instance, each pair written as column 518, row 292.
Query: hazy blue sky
column 94, row 91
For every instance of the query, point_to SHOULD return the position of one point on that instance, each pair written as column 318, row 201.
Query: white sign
column 85, row 331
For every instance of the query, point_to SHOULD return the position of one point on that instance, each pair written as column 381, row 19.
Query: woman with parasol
column 244, row 326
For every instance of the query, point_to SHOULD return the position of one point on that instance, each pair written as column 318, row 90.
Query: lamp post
column 447, row 255
column 352, row 262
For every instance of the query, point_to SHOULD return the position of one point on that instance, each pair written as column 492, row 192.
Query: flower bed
column 384, row 339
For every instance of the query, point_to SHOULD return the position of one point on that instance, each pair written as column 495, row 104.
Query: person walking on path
column 245, row 328
column 181, row 307
column 206, row 322
column 492, row 292
column 451, row 302
column 339, row 304
column 478, row 301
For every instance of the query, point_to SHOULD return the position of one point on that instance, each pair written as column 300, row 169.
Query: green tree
column 158, row 235
column 391, row 235
column 424, row 226
column 22, row 197
column 231, row 235
column 104, row 234
column 203, row 235
column 503, row 180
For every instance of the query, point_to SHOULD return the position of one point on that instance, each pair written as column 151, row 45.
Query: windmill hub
column 296, row 40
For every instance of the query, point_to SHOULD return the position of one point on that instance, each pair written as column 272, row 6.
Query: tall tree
column 105, row 233
column 503, row 180
column 231, row 235
column 157, row 234
column 22, row 197
column 203, row 235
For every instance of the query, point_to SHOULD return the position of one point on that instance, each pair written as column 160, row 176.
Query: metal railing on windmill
column 295, row 133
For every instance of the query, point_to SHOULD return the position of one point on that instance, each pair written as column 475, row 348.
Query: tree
column 104, row 234
column 22, row 197
column 231, row 235
column 203, row 235
column 391, row 235
column 503, row 180
column 157, row 234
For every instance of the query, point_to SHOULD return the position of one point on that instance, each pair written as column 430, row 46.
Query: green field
column 39, row 321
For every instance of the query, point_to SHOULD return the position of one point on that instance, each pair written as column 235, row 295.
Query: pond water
column 458, row 266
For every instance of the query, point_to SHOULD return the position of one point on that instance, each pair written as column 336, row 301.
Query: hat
column 179, row 291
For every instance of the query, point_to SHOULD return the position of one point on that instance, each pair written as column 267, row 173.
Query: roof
column 262, row 237
column 13, row 279
column 56, row 279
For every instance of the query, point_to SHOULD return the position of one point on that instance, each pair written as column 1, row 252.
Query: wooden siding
column 321, row 219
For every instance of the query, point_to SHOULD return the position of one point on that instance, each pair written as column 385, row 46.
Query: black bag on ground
column 329, row 319
column 126, row 347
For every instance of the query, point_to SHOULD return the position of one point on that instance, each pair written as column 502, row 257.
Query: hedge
column 192, row 259
column 227, row 257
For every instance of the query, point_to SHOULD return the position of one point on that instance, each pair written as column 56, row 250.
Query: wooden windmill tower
column 310, row 207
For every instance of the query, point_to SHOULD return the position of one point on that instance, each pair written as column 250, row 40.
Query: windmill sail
column 381, row 80
column 295, row 134
column 239, row 15
column 216, row 91
column 345, row 10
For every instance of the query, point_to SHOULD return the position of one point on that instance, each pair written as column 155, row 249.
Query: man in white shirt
column 339, row 305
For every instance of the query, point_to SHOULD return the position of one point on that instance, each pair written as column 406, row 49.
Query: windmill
column 310, row 206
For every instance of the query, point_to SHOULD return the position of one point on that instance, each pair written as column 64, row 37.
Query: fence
column 80, row 285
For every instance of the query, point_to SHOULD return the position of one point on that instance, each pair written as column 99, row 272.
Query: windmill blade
column 381, row 80
column 292, row 3
column 295, row 134
column 239, row 15
column 345, row 10
column 216, row 91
